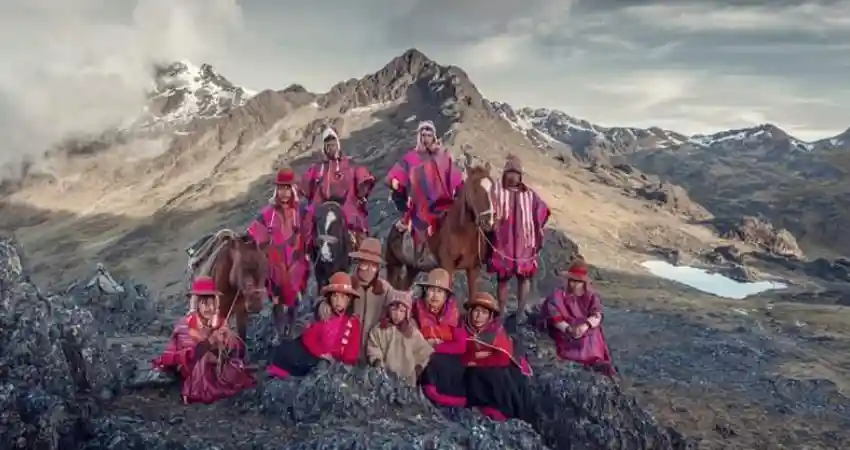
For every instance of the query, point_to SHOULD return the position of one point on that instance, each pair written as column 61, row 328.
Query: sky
column 692, row 66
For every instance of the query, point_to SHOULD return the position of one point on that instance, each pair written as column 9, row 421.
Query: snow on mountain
column 183, row 92
column 545, row 126
column 754, row 136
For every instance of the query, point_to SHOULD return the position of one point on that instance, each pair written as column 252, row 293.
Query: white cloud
column 711, row 16
column 82, row 65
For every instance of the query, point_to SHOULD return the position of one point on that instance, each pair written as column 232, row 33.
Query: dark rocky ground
column 71, row 382
column 75, row 376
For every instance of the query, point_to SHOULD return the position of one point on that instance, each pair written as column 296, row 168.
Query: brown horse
column 240, row 270
column 459, row 242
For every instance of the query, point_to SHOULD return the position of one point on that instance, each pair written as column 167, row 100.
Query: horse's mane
column 474, row 175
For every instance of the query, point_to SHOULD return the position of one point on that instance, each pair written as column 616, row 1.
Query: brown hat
column 370, row 250
column 484, row 300
column 513, row 164
column 578, row 271
column 439, row 278
column 340, row 282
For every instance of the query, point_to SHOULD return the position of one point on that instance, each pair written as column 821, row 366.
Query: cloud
column 80, row 66
column 692, row 66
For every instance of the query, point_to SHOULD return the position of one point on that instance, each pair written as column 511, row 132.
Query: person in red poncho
column 280, row 224
column 202, row 354
column 437, row 316
column 572, row 315
column 336, row 338
column 496, row 370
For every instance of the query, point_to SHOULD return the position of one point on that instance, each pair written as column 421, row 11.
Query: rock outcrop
column 760, row 233
column 63, row 386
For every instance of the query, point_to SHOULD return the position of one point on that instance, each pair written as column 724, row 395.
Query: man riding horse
column 423, row 186
column 338, row 179
column 279, row 223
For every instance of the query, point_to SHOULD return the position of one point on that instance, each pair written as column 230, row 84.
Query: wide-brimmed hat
column 439, row 278
column 483, row 300
column 370, row 250
column 340, row 282
column 204, row 286
column 578, row 271
column 285, row 177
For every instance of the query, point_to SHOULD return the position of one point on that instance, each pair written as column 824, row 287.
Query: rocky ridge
column 66, row 387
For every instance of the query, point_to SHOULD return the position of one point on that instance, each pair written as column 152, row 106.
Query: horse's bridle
column 478, row 215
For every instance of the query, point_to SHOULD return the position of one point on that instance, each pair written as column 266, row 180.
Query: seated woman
column 205, row 357
column 496, row 371
column 337, row 338
column 395, row 343
column 436, row 314
column 573, row 318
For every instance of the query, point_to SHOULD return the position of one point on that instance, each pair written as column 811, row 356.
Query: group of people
column 461, row 357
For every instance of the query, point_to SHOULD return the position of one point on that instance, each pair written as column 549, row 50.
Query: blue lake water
column 712, row 283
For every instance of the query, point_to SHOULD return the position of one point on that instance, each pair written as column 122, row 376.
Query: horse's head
column 332, row 240
column 249, row 270
column 478, row 195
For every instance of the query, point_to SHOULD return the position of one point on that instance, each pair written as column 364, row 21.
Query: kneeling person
column 395, row 343
column 335, row 338
column 204, row 355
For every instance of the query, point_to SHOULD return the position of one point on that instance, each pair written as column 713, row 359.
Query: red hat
column 578, row 271
column 286, row 177
column 204, row 286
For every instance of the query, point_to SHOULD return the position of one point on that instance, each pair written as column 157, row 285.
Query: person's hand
column 482, row 354
column 580, row 330
column 435, row 341
column 325, row 311
column 394, row 184
column 327, row 356
column 418, row 370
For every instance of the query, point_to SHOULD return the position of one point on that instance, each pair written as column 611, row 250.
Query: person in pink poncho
column 423, row 185
column 518, row 237
column 338, row 178
column 202, row 354
column 573, row 318
column 280, row 223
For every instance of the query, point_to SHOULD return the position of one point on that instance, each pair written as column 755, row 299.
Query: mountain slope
column 798, row 185
column 136, row 205
column 138, row 217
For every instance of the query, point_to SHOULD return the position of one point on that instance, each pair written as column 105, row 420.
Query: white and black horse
column 332, row 244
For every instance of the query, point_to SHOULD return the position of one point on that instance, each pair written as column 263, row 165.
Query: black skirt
column 504, row 389
column 292, row 357
column 443, row 380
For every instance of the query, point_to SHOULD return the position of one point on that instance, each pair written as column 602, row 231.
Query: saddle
column 203, row 252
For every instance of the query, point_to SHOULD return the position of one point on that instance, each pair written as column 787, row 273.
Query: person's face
column 576, row 286
column 480, row 316
column 435, row 298
column 512, row 179
column 398, row 312
column 366, row 271
column 332, row 147
column 284, row 193
column 206, row 307
column 428, row 138
column 339, row 302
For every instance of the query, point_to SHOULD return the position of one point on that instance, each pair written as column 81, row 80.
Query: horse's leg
column 410, row 274
column 242, row 326
column 472, row 275
column 504, row 285
column 394, row 275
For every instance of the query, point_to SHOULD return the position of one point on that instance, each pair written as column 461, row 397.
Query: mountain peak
column 411, row 74
column 184, row 91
